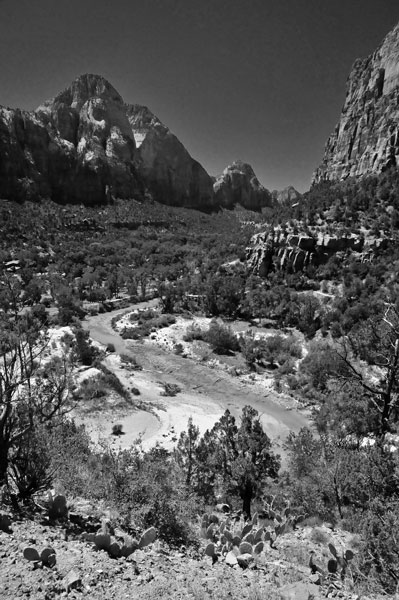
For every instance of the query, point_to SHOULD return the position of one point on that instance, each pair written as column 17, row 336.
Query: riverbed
column 205, row 393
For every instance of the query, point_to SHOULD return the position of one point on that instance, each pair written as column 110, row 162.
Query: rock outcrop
column 288, row 194
column 279, row 249
column 171, row 175
column 77, row 147
column 239, row 185
column 366, row 139
column 81, row 147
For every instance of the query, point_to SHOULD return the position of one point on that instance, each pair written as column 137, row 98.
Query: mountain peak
column 85, row 87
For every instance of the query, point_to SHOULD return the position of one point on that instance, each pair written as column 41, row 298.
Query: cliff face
column 172, row 176
column 81, row 147
column 366, row 139
column 239, row 185
column 278, row 249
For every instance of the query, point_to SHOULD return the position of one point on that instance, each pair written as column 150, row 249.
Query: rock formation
column 77, row 147
column 282, row 249
column 170, row 173
column 81, row 147
column 288, row 194
column 239, row 185
column 366, row 139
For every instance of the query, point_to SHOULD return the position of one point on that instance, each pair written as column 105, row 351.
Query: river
column 206, row 392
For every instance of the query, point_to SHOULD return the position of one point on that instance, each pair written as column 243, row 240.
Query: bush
column 193, row 332
column 29, row 469
column 84, row 350
column 146, row 325
column 274, row 350
column 221, row 337
column 109, row 379
column 131, row 361
column 170, row 389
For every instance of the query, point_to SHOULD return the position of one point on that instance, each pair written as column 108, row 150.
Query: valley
column 207, row 391
column 199, row 377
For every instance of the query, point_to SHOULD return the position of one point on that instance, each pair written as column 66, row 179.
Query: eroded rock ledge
column 278, row 249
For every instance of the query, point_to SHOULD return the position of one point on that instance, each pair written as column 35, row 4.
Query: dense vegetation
column 345, row 469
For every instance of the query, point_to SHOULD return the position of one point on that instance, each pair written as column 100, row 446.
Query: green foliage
column 170, row 389
column 221, row 337
column 147, row 322
column 274, row 350
column 193, row 332
column 380, row 553
column 146, row 489
column 235, row 460
column 224, row 294
column 85, row 353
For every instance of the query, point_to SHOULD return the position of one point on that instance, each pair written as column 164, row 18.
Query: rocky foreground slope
column 80, row 570
column 86, row 145
column 366, row 138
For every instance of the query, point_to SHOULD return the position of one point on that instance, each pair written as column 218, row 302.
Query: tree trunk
column 246, row 502
column 3, row 462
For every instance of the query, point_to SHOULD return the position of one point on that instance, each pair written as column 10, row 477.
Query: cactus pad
column 210, row 550
column 245, row 548
column 31, row 554
column 148, row 537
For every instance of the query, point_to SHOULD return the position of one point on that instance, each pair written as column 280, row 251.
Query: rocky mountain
column 168, row 170
column 238, row 184
column 86, row 145
column 366, row 138
column 288, row 194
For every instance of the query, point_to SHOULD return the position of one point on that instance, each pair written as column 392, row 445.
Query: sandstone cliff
column 366, row 139
column 239, row 185
column 81, row 147
column 288, row 194
column 77, row 147
column 282, row 249
column 172, row 176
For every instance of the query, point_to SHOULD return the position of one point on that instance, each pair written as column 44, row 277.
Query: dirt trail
column 206, row 392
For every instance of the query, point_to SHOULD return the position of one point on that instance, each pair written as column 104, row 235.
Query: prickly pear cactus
column 148, row 537
column 339, row 563
column 48, row 557
column 5, row 523
column 31, row 554
column 102, row 541
column 58, row 507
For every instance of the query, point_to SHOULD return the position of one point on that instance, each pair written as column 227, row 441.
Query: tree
column 186, row 451
column 372, row 389
column 33, row 388
column 238, row 459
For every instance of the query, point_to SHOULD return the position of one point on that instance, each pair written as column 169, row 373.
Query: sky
column 261, row 81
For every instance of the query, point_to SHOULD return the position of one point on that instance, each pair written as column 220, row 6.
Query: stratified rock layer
column 278, row 249
column 239, row 185
column 366, row 139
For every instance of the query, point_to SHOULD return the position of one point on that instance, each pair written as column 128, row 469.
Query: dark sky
column 258, row 80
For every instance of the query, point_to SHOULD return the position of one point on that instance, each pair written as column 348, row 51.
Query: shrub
column 221, row 337
column 193, row 332
column 131, row 361
column 117, row 429
column 170, row 389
